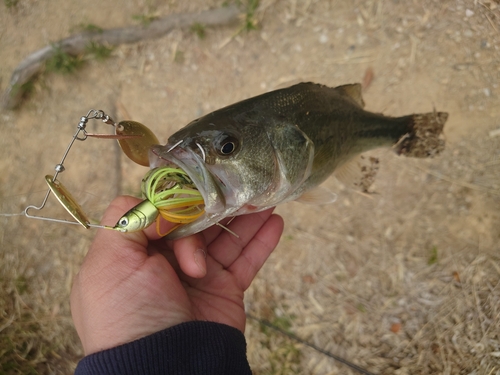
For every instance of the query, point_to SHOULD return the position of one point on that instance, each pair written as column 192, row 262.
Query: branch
column 76, row 44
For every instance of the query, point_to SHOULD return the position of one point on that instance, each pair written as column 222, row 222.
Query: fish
column 281, row 145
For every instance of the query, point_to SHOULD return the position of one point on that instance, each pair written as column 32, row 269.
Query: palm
column 232, row 263
column 216, row 299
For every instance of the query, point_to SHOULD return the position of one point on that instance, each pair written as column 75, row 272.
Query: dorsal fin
column 358, row 173
column 353, row 91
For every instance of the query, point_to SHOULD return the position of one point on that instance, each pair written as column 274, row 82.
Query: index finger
column 128, row 244
column 114, row 244
column 256, row 252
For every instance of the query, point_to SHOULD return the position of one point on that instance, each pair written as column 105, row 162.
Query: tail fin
column 424, row 138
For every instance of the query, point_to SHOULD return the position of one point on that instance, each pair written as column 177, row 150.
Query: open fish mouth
column 191, row 163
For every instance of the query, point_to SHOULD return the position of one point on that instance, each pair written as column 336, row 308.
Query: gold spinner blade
column 66, row 199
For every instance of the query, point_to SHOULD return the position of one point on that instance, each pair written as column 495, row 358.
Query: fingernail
column 199, row 257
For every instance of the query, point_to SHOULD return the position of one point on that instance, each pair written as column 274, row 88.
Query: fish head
column 233, row 166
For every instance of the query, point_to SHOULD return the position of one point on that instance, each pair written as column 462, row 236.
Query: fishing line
column 293, row 337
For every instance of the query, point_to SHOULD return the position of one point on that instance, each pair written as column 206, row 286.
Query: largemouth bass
column 280, row 146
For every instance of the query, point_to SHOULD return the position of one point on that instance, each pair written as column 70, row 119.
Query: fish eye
column 227, row 148
column 227, row 145
column 123, row 222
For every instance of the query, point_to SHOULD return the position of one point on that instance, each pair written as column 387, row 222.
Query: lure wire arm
column 63, row 221
column 58, row 189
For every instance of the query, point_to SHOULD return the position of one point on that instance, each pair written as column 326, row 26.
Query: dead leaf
column 368, row 78
column 395, row 327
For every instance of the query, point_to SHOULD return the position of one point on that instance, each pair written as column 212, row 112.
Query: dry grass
column 37, row 335
column 389, row 298
column 403, row 282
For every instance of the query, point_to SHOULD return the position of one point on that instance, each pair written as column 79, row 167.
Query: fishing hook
column 174, row 146
column 202, row 151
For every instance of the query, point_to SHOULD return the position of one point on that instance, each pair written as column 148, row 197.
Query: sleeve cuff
column 189, row 348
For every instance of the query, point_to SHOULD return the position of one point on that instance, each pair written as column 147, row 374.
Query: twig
column 76, row 44
column 353, row 366
column 491, row 23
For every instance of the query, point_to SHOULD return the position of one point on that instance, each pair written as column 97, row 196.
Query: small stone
column 469, row 13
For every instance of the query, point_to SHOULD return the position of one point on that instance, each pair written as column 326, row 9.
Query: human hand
column 131, row 285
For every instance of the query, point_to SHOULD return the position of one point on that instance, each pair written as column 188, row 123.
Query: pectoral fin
column 318, row 195
column 358, row 173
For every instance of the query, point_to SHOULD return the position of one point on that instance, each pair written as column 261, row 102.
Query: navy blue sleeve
column 189, row 348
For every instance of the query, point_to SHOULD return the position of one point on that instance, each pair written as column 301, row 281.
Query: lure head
column 137, row 218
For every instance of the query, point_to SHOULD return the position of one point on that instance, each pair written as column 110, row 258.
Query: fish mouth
column 191, row 163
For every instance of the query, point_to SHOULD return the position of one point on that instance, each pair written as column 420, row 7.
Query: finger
column 189, row 251
column 226, row 248
column 165, row 249
column 191, row 255
column 106, row 238
column 113, row 253
column 115, row 244
column 257, row 251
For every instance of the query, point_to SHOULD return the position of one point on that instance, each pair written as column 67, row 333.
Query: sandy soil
column 404, row 281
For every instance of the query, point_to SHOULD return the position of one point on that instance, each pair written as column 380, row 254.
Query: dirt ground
column 404, row 281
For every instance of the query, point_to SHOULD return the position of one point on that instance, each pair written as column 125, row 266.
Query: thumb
column 110, row 245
